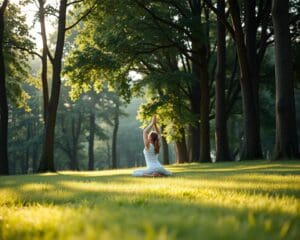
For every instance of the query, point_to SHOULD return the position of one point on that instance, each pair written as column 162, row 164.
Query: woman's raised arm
column 145, row 133
column 157, row 129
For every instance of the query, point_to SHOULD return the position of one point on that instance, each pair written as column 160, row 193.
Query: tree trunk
column 4, row 169
column 200, row 66
column 114, row 140
column 251, row 45
column 27, row 151
column 36, row 148
column 181, row 149
column 13, row 168
column 194, row 138
column 76, row 129
column 251, row 146
column 204, row 109
column 44, row 59
column 47, row 161
column 91, row 165
column 26, row 162
column 286, row 129
column 222, row 149
column 108, row 154
column 34, row 159
column 74, row 161
column 165, row 147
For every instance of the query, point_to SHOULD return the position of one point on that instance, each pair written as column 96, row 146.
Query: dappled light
column 113, row 203
column 154, row 120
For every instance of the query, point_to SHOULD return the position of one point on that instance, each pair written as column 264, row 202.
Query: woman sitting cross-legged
column 151, row 151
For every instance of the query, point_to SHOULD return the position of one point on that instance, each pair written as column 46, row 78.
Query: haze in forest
column 81, row 79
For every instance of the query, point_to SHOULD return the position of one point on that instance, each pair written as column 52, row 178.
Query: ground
column 240, row 200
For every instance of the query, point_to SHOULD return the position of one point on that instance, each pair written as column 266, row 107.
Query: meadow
column 237, row 200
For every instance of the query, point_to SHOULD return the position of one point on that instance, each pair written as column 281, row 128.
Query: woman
column 151, row 151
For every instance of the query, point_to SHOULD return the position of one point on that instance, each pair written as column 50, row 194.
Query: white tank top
column 151, row 158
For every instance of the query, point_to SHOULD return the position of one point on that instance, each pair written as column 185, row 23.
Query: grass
column 243, row 200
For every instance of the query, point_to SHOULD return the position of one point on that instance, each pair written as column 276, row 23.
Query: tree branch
column 174, row 4
column 26, row 50
column 222, row 18
column 82, row 17
column 264, row 42
column 233, row 99
column 157, row 21
column 3, row 7
column 157, row 18
column 155, row 48
column 74, row 2
column 62, row 147
column 150, row 68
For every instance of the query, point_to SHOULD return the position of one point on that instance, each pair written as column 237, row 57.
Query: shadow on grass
column 184, row 215
column 263, row 173
column 63, row 188
column 181, row 217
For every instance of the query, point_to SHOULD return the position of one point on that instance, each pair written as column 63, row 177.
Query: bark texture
column 286, row 146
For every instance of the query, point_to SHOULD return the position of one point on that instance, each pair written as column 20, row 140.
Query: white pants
column 148, row 171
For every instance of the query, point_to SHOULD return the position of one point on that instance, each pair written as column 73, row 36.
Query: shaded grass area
column 240, row 200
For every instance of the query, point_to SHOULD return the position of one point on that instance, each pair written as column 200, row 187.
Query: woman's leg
column 164, row 172
column 138, row 173
column 142, row 172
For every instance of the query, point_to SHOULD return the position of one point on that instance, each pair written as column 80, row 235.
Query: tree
column 286, row 129
column 201, row 59
column 157, row 43
column 249, row 84
column 193, row 25
column 194, row 29
column 97, row 71
column 100, row 105
column 13, row 66
column 91, row 137
column 251, row 33
column 47, row 161
column 3, row 98
column 222, row 148
column 173, row 116
column 44, row 58
column 111, row 113
column 70, row 128
column 115, row 132
column 165, row 148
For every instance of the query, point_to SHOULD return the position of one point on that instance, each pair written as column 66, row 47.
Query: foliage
column 89, row 66
column 17, row 43
column 170, row 115
column 25, row 133
column 118, row 38
column 238, row 200
column 130, row 141
column 132, row 38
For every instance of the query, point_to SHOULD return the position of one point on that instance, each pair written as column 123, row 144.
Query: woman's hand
column 154, row 120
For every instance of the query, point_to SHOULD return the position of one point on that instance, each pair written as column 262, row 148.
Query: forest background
column 108, row 66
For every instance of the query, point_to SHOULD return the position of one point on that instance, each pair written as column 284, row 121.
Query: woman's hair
column 154, row 139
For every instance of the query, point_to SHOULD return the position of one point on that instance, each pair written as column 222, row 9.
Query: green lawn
column 245, row 200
